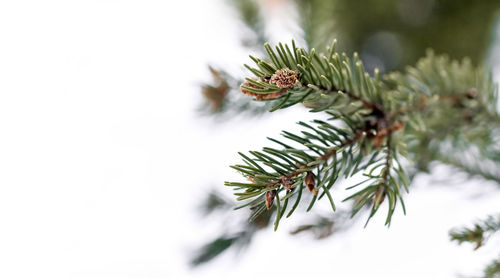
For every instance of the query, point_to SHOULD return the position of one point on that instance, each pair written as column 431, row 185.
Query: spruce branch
column 368, row 127
column 374, row 121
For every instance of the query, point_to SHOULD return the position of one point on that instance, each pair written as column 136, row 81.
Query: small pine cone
column 284, row 78
column 309, row 181
column 471, row 94
column 270, row 198
column 379, row 138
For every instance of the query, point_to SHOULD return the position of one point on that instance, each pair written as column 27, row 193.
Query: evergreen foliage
column 387, row 126
column 374, row 123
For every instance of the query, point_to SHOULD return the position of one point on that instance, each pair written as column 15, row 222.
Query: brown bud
column 287, row 183
column 378, row 139
column 270, row 198
column 285, row 78
column 472, row 93
column 309, row 181
column 396, row 126
column 379, row 196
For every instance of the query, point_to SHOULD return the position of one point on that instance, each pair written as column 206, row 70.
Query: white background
column 103, row 158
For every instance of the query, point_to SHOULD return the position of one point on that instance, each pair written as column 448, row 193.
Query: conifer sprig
column 374, row 121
